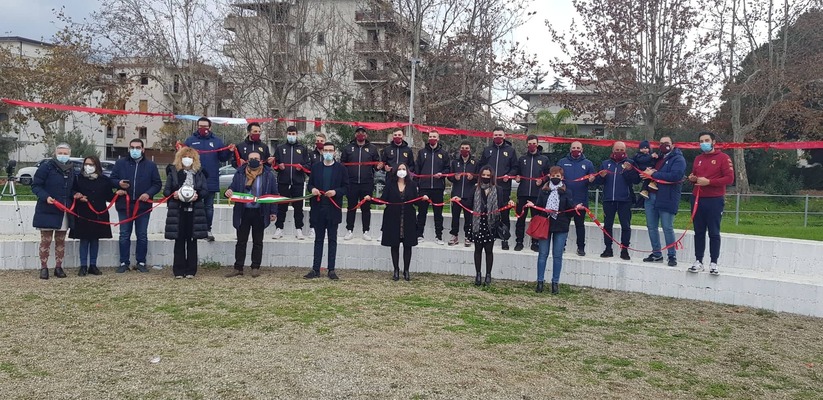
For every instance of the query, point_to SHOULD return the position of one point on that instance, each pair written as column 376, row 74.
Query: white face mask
column 187, row 161
column 401, row 173
column 90, row 169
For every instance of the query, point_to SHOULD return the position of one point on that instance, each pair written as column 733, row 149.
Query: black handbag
column 502, row 231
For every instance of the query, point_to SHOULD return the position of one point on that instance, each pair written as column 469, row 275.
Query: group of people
column 480, row 191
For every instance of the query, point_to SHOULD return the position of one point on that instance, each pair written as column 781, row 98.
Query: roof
column 24, row 40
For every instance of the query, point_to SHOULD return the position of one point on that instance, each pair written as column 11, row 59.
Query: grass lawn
column 278, row 336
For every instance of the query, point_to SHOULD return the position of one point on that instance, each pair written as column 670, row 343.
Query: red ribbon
column 135, row 214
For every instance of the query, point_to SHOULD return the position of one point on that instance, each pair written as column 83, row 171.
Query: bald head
column 577, row 146
column 619, row 147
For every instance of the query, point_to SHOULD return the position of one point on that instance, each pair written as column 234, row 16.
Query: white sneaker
column 696, row 267
column 420, row 239
column 713, row 269
column 349, row 235
column 366, row 236
column 440, row 241
column 278, row 233
column 299, row 235
column 311, row 232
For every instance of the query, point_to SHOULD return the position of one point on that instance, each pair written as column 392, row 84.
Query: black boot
column 478, row 279
column 83, row 271
column 488, row 280
column 44, row 273
column 555, row 288
column 406, row 276
column 58, row 272
column 94, row 270
column 539, row 288
column 396, row 275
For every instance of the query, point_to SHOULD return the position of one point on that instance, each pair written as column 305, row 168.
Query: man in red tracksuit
column 711, row 173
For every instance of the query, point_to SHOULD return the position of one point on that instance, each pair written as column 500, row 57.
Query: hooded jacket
column 210, row 160
column 247, row 146
column 576, row 168
column 354, row 153
column 394, row 155
column 288, row 153
column 51, row 181
column 531, row 166
column 672, row 169
column 431, row 161
column 174, row 181
column 464, row 187
column 617, row 184
column 143, row 177
column 503, row 161
column 268, row 182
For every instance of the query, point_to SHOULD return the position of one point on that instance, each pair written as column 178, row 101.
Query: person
column 257, row 179
column 207, row 144
column 501, row 157
column 252, row 143
column 575, row 167
column 327, row 183
column 534, row 166
column 399, row 222
column 315, row 157
column 664, row 199
column 433, row 161
column 93, row 191
column 711, row 173
column 186, row 217
column 557, row 197
column 293, row 162
column 642, row 160
column 361, row 179
column 463, row 182
column 397, row 152
column 488, row 199
column 138, row 181
column 53, row 182
column 617, row 177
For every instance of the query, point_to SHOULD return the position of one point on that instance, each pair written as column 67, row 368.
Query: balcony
column 371, row 75
column 231, row 22
column 370, row 46
column 373, row 17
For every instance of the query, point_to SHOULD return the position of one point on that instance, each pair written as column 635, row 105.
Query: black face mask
column 254, row 163
column 485, row 181
column 555, row 181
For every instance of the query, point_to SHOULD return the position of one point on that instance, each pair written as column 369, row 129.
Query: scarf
column 92, row 176
column 554, row 199
column 485, row 204
column 252, row 174
column 189, row 177
column 64, row 168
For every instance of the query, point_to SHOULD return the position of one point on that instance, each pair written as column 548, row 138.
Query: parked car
column 26, row 174
column 226, row 175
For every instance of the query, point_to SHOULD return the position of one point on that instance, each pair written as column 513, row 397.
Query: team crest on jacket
column 505, row 154
column 714, row 162
column 299, row 151
column 367, row 149
column 259, row 149
column 405, row 154
column 539, row 162
column 440, row 155
column 211, row 144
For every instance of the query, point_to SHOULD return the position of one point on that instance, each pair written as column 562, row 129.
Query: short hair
column 329, row 144
column 137, row 140
column 253, row 124
column 63, row 145
column 320, row 135
column 557, row 169
column 434, row 131
column 254, row 152
column 531, row 137
column 704, row 133
column 499, row 128
column 465, row 143
column 204, row 119
column 291, row 128
column 398, row 130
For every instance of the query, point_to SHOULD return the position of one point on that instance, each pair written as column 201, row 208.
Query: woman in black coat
column 555, row 196
column 186, row 219
column 53, row 182
column 400, row 220
column 94, row 190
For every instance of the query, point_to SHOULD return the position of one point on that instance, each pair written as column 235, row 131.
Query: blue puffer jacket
column 212, row 160
column 143, row 177
column 672, row 170
column 51, row 181
column 575, row 168
column 268, row 186
column 617, row 185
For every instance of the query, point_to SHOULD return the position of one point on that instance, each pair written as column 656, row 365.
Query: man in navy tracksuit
column 252, row 143
column 361, row 179
column 292, row 160
column 662, row 204
column 398, row 152
column 575, row 166
column 500, row 156
column 617, row 177
column 205, row 142
column 463, row 182
column 138, row 177
column 431, row 160
column 533, row 164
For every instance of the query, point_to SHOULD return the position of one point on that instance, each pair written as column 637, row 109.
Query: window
column 142, row 132
column 317, row 124
column 304, row 67
column 122, row 76
column 598, row 132
column 301, row 126
column 109, row 132
column 372, row 63
column 321, row 38
column 373, row 35
column 305, row 38
column 176, row 85
column 121, row 132
column 318, row 65
column 4, row 117
column 144, row 106
column 206, row 85
column 144, row 79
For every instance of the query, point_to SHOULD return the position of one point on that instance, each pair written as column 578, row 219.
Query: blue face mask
column 135, row 154
column 328, row 156
column 291, row 139
column 706, row 146
column 63, row 158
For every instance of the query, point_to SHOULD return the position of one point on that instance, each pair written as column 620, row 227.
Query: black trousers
column 251, row 221
column 185, row 246
column 355, row 193
column 520, row 225
column 325, row 226
column 580, row 230
column 467, row 225
column 290, row 191
column 505, row 217
column 623, row 210
column 436, row 196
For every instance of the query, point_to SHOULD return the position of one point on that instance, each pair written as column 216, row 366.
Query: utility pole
column 415, row 59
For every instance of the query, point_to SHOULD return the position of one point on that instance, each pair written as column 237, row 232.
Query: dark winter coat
column 315, row 156
column 464, row 187
column 617, row 185
column 247, row 146
column 531, row 166
column 393, row 214
column 576, row 168
column 98, row 192
column 268, row 186
column 210, row 160
column 353, row 153
column 643, row 161
column 431, row 161
column 51, row 181
column 672, row 169
column 287, row 153
column 561, row 224
column 174, row 182
column 394, row 155
column 503, row 161
column 339, row 183
column 143, row 177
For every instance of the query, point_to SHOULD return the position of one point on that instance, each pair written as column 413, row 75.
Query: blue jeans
column 558, row 241
column 666, row 219
column 208, row 201
column 141, row 225
column 88, row 251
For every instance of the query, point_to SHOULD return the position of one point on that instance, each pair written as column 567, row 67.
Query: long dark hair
column 393, row 173
column 98, row 168
column 480, row 173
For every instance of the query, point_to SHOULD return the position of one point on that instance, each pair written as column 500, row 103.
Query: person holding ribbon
column 212, row 154
column 53, row 182
column 315, row 157
column 256, row 179
column 463, row 181
column 138, row 181
column 489, row 201
column 399, row 221
column 93, row 192
column 501, row 157
column 398, row 152
column 252, row 143
column 327, row 183
column 292, row 163
column 617, row 177
column 361, row 158
column 664, row 199
column 432, row 164
column 576, row 168
column 186, row 217
column 533, row 168
column 557, row 202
